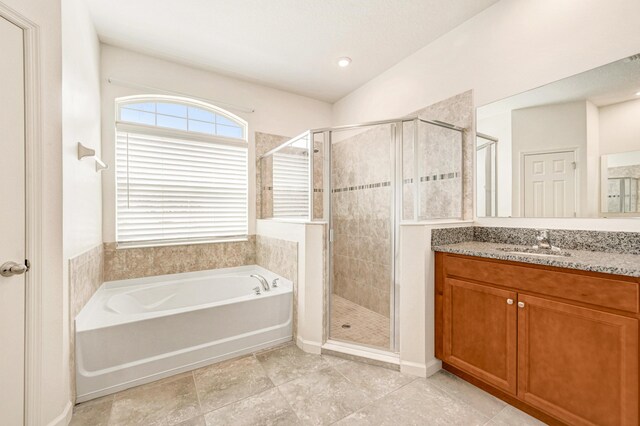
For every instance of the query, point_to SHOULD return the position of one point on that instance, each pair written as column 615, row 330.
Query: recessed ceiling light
column 637, row 93
column 344, row 62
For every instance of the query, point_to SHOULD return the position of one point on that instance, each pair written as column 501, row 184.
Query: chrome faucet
column 263, row 281
column 542, row 237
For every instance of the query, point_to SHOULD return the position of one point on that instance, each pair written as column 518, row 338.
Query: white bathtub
column 136, row 331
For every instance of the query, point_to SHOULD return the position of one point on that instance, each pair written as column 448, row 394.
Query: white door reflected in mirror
column 593, row 118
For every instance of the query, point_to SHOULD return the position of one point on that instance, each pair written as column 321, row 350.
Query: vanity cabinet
column 550, row 340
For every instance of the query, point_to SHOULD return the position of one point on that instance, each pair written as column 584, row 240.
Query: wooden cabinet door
column 578, row 364
column 479, row 332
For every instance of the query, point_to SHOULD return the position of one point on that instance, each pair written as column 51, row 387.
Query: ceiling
column 606, row 85
column 288, row 44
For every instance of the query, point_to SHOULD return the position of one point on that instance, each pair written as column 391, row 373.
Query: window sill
column 124, row 246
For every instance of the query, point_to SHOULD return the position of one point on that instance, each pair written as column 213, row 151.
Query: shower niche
column 364, row 180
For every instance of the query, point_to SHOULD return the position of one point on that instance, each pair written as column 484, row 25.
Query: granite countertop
column 594, row 261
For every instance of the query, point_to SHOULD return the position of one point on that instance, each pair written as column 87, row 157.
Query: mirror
column 620, row 184
column 567, row 149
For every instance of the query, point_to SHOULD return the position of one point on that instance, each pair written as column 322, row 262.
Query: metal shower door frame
column 395, row 144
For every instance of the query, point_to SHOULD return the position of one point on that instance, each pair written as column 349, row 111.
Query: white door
column 12, row 224
column 550, row 185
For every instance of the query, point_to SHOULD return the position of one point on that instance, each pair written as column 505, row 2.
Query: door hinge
column 574, row 164
column 330, row 235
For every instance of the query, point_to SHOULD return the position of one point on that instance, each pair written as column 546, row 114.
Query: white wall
column 620, row 127
column 592, row 181
column 417, row 304
column 54, row 364
column 276, row 111
column 511, row 47
column 82, row 186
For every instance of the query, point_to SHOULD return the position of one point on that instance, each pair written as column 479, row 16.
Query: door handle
column 509, row 301
column 9, row 269
column 520, row 304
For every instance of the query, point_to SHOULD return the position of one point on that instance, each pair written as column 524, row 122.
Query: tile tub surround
column 281, row 257
column 126, row 263
column 286, row 386
column 85, row 277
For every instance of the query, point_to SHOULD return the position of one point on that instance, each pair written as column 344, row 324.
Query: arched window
column 181, row 171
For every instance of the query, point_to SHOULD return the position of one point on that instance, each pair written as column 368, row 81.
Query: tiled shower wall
column 362, row 208
column 459, row 111
column 439, row 177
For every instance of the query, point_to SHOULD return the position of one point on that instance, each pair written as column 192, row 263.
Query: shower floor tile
column 365, row 326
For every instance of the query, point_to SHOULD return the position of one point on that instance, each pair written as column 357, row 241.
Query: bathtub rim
column 85, row 320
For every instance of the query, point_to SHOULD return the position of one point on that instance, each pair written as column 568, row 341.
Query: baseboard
column 413, row 368
column 65, row 417
column 433, row 367
column 308, row 346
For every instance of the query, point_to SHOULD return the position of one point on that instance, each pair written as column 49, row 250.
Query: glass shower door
column 362, row 238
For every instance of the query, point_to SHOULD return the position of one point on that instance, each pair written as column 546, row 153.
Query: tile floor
column 367, row 327
column 285, row 386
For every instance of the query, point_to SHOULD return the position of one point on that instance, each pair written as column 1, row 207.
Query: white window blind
column 173, row 189
column 290, row 185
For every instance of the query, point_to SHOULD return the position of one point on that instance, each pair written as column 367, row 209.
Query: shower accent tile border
column 433, row 178
column 361, row 187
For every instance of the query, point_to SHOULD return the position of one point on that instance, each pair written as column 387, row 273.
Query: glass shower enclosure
column 364, row 180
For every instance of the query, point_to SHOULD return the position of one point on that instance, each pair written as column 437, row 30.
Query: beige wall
column 276, row 111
